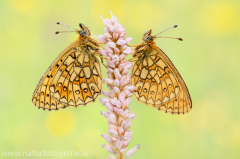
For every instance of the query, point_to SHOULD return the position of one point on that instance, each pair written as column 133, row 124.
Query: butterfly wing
column 159, row 84
column 78, row 80
column 41, row 97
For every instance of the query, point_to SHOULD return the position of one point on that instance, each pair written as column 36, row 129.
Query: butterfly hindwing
column 78, row 81
column 42, row 97
column 159, row 84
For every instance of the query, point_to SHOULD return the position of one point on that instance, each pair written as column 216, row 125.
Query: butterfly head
column 84, row 32
column 147, row 37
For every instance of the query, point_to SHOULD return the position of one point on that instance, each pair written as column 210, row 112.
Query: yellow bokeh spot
column 61, row 122
column 222, row 18
column 23, row 6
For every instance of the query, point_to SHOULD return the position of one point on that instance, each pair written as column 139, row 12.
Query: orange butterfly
column 74, row 78
column 158, row 82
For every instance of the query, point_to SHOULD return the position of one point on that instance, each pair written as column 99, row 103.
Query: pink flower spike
column 120, row 42
column 112, row 132
column 102, row 39
column 128, row 40
column 111, row 157
column 132, row 151
column 111, row 44
column 119, row 144
column 108, row 148
column 107, row 138
column 120, row 89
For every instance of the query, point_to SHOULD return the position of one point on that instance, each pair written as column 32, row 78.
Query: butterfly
column 158, row 82
column 74, row 77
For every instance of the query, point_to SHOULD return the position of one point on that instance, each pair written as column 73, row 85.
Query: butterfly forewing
column 73, row 79
column 158, row 83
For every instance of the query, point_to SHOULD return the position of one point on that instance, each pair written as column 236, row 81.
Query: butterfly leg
column 134, row 58
column 137, row 45
column 102, row 62
column 101, row 57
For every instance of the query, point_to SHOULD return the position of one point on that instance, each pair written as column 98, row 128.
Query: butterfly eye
column 83, row 32
column 148, row 38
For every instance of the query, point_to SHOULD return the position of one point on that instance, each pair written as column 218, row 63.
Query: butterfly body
column 158, row 82
column 74, row 77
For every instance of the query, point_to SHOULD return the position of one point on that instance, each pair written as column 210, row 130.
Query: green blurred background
column 208, row 60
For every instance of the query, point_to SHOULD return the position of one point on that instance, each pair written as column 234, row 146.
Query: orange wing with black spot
column 159, row 84
column 73, row 79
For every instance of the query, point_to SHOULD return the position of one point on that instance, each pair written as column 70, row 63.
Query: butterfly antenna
column 66, row 25
column 166, row 29
column 57, row 32
column 170, row 38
